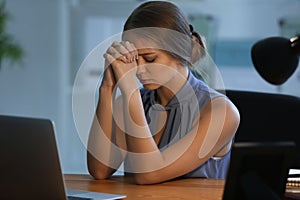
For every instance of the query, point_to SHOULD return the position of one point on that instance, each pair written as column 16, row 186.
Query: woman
column 175, row 125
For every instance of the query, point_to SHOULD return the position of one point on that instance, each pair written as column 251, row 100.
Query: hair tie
column 191, row 29
column 198, row 39
column 194, row 33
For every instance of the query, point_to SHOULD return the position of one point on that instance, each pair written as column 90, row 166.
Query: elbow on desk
column 99, row 175
column 98, row 172
column 146, row 179
column 143, row 181
column 96, row 169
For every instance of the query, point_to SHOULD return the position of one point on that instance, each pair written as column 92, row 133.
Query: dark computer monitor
column 258, row 170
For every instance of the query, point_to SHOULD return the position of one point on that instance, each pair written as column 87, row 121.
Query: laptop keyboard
column 78, row 198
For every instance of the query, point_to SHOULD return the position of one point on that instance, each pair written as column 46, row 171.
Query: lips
column 144, row 81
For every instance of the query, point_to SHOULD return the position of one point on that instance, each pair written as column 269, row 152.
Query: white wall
column 32, row 87
column 37, row 87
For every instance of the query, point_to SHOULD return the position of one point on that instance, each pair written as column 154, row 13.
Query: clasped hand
column 121, row 65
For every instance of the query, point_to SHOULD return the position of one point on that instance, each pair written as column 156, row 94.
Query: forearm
column 137, row 132
column 103, row 158
column 144, row 154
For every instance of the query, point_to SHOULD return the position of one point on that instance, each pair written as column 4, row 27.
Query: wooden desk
column 192, row 188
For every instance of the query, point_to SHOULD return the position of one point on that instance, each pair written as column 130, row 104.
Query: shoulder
column 202, row 91
column 221, row 109
column 222, row 103
column 201, row 88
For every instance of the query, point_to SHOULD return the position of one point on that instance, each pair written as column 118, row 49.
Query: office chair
column 268, row 117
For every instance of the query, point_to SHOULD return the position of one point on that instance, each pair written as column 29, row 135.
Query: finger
column 122, row 50
column 110, row 59
column 130, row 47
column 115, row 44
column 115, row 54
column 136, row 53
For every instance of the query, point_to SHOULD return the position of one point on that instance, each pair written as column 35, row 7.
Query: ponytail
column 198, row 45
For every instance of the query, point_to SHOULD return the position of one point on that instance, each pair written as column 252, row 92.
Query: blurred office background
column 56, row 36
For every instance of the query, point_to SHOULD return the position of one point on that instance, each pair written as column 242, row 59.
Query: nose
column 141, row 66
column 140, row 69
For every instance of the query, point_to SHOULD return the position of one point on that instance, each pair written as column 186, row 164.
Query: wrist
column 106, row 88
column 107, row 83
column 128, row 87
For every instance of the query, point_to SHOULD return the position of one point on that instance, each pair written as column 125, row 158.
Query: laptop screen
column 30, row 165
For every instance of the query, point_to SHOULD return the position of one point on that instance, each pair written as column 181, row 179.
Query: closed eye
column 150, row 60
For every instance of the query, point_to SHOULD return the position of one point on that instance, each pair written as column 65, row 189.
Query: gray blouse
column 183, row 109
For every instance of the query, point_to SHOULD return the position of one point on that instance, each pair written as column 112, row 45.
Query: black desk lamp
column 276, row 58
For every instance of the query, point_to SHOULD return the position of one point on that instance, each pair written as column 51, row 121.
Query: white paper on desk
column 294, row 171
column 94, row 195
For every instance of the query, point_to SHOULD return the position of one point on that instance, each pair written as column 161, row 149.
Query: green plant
column 9, row 49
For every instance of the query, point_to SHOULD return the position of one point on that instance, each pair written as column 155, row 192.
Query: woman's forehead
column 140, row 41
column 143, row 43
column 147, row 51
column 147, row 42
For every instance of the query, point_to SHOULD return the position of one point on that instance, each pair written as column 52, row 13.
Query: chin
column 151, row 86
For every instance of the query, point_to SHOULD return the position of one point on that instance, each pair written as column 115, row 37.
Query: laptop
column 258, row 170
column 30, row 166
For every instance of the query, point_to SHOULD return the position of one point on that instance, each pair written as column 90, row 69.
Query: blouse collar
column 184, row 94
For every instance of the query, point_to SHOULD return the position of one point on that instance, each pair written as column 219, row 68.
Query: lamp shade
column 276, row 58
